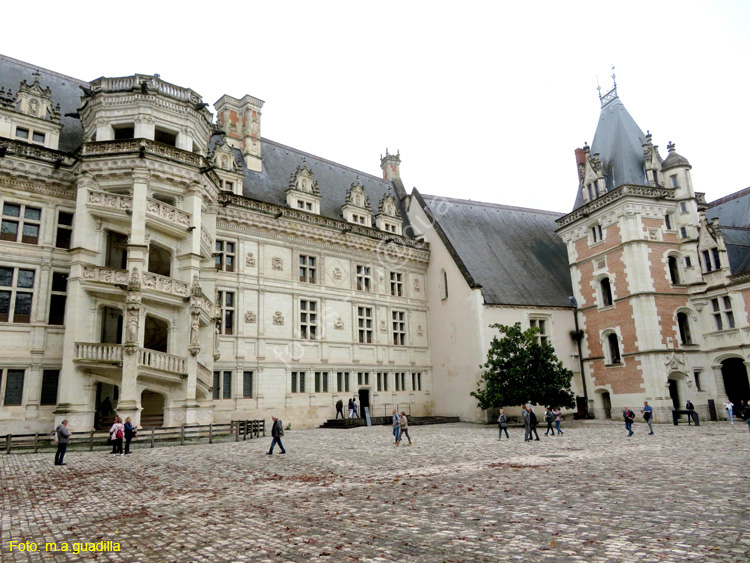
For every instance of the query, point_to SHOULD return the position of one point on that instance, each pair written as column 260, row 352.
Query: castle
column 179, row 268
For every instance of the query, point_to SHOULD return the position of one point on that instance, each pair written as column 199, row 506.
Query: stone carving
column 217, row 332
column 168, row 212
column 277, row 263
column 420, row 332
column 135, row 281
column 278, row 318
column 250, row 317
column 195, row 330
column 338, row 324
column 416, row 285
column 105, row 199
column 133, row 309
column 383, row 327
column 165, row 284
column 106, row 275
column 337, row 273
column 250, row 260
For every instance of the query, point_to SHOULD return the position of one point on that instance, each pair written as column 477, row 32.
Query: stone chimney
column 581, row 155
column 240, row 121
column 390, row 165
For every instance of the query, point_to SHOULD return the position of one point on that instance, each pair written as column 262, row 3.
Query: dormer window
column 22, row 133
column 303, row 192
column 710, row 265
column 123, row 132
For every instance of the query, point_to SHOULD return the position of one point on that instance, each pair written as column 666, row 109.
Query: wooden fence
column 239, row 429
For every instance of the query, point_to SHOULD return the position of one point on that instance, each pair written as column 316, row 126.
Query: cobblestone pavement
column 458, row 494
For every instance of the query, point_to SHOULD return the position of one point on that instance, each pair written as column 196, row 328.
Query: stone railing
column 96, row 352
column 153, row 83
column 207, row 242
column 105, row 275
column 36, row 152
column 717, row 276
column 145, row 146
column 609, row 197
column 109, row 200
column 204, row 304
column 168, row 212
column 205, row 375
column 161, row 361
column 165, row 284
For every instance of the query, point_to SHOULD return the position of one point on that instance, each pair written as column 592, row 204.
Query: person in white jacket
column 729, row 406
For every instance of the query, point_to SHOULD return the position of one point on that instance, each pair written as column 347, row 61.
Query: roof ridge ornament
column 612, row 94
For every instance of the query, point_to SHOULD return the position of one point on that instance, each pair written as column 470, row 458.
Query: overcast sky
column 485, row 100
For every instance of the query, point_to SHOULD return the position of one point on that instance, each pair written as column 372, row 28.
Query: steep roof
column 733, row 212
column 65, row 91
column 512, row 252
column 618, row 140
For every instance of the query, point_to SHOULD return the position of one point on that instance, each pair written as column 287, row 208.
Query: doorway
column 674, row 394
column 159, row 260
column 155, row 335
column 734, row 373
column 107, row 396
column 117, row 251
column 607, row 405
column 364, row 401
column 152, row 409
column 111, row 326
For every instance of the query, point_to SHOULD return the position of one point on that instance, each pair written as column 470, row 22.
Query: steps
column 349, row 423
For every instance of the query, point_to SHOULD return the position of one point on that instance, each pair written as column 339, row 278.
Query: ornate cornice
column 34, row 187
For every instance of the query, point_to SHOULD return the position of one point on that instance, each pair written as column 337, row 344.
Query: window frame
column 227, row 312
column 247, row 384
column 14, row 290
column 365, row 324
column 64, row 228
column 5, row 377
column 397, row 284
column 61, row 295
column 45, row 387
column 363, row 278
column 308, row 265
column 542, row 323
column 606, row 295
column 308, row 319
column 224, row 259
column 298, row 381
column 21, row 222
column 614, row 352
column 398, row 328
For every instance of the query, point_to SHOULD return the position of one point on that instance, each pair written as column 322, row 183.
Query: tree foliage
column 520, row 370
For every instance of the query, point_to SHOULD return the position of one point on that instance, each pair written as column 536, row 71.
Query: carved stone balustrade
column 204, row 375
column 161, row 361
column 207, row 243
column 142, row 146
column 165, row 212
column 105, row 275
column 98, row 352
column 164, row 284
column 109, row 202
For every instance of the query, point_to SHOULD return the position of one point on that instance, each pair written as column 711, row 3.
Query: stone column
column 721, row 393
column 128, row 403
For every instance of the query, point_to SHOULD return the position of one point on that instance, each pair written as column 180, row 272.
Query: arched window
column 614, row 348
column 674, row 270
column 606, row 292
column 684, row 325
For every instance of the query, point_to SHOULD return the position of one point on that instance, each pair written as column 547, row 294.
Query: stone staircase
column 349, row 423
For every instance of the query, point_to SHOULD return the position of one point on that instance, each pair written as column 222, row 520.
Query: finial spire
column 612, row 94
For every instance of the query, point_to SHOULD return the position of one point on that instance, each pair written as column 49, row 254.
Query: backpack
column 532, row 418
column 118, row 434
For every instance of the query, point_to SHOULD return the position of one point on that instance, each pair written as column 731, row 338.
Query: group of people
column 530, row 422
column 648, row 415
column 352, row 408
column 400, row 427
column 743, row 411
column 120, row 431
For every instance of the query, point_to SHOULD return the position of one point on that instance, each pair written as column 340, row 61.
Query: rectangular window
column 385, row 381
column 226, row 302
column 397, row 284
column 399, row 328
column 364, row 280
column 37, row 137
column 20, row 223
column 688, row 262
column 16, row 291
column 64, row 229
column 225, row 255
column 58, row 298
column 22, row 133
column 307, row 269
column 707, row 261
column 229, row 186
column 364, row 320
column 14, row 387
column 247, row 384
column 398, row 381
column 596, row 233
column 308, row 320
column 227, row 385
column 715, row 255
column 683, row 205
column 419, row 382
column 298, row 382
column 697, row 376
column 722, row 313
column 50, row 380
column 400, row 378
column 673, row 179
column 321, row 382
column 668, row 222
column 217, row 385
column 542, row 336
column 380, row 381
column 683, row 232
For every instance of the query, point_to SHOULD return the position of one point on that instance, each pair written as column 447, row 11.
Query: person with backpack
column 502, row 422
column 533, row 423
column 549, row 417
column 629, row 417
column 116, row 434
column 277, row 431
column 648, row 416
column 558, row 419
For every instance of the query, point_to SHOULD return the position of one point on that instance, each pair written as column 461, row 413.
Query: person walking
column 533, row 424
column 729, row 407
column 354, row 406
column 629, row 417
column 130, row 433
column 502, row 422
column 549, row 418
column 526, row 423
column 63, row 437
column 339, row 409
column 403, row 422
column 396, row 427
column 648, row 416
column 116, row 434
column 558, row 419
column 277, row 431
column 351, row 409
column 691, row 414
column 746, row 411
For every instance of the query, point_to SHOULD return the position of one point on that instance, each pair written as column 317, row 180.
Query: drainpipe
column 579, row 337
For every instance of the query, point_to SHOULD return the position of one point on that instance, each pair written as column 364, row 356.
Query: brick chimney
column 240, row 121
column 390, row 165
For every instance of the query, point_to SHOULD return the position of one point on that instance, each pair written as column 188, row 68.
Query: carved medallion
column 416, row 285
column 250, row 317
column 383, row 327
column 277, row 263
column 250, row 260
column 278, row 318
column 419, row 330
column 337, row 273
column 338, row 324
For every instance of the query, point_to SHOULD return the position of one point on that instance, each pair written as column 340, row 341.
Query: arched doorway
column 603, row 405
column 674, row 394
column 736, row 383
column 152, row 413
column 155, row 334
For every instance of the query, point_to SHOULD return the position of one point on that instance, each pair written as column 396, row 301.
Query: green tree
column 520, row 370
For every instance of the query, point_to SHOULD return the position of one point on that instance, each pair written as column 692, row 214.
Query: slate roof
column 65, row 91
column 618, row 140
column 513, row 253
column 733, row 212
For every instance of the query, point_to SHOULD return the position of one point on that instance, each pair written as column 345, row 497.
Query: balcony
column 161, row 361
column 204, row 376
column 167, row 218
column 109, row 276
column 207, row 244
column 109, row 205
column 165, row 285
column 150, row 362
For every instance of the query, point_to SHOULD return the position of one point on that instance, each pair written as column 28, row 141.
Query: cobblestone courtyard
column 458, row 494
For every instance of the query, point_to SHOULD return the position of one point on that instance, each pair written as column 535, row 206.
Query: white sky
column 485, row 100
